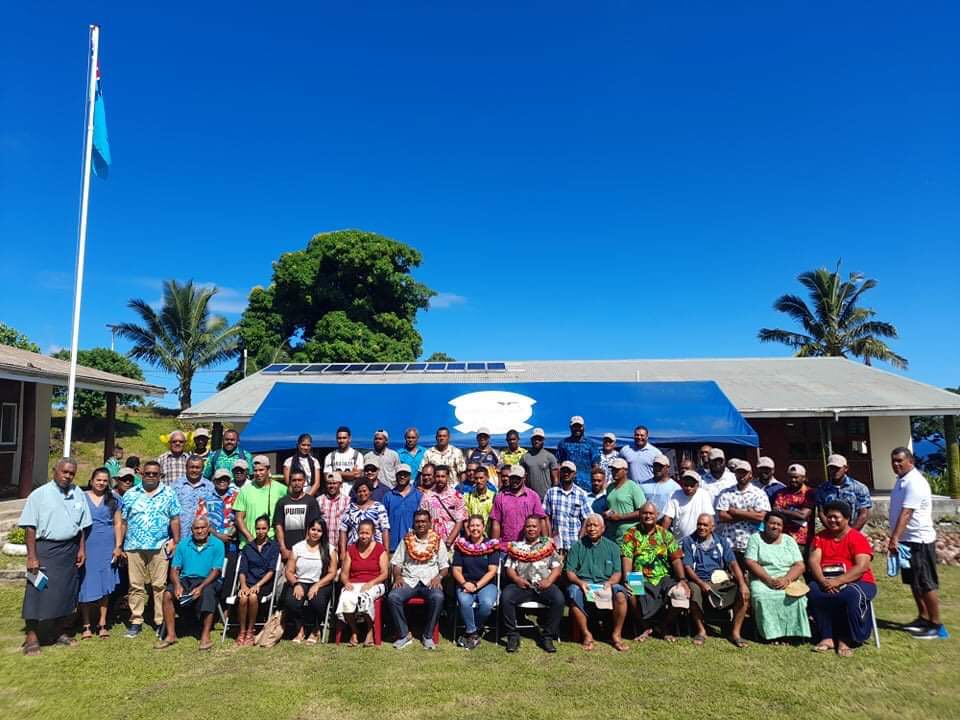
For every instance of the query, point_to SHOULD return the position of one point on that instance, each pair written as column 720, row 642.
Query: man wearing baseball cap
column 540, row 465
column 483, row 455
column 719, row 478
column 740, row 510
column 512, row 506
column 687, row 505
column 624, row 500
column 843, row 488
column 258, row 497
column 661, row 487
column 640, row 455
column 608, row 452
column 765, row 479
column 797, row 503
column 580, row 450
column 201, row 438
column 401, row 503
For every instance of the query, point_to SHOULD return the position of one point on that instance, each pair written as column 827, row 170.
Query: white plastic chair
column 495, row 614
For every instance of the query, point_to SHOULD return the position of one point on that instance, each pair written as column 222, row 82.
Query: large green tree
column 834, row 323
column 90, row 403
column 349, row 296
column 14, row 338
column 183, row 337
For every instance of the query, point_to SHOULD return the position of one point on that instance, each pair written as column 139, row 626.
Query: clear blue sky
column 628, row 181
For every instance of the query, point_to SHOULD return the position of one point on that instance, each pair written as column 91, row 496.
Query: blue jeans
column 575, row 595
column 397, row 598
column 485, row 598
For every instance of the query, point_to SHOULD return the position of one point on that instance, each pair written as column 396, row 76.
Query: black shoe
column 547, row 645
column 932, row 632
column 918, row 625
column 513, row 644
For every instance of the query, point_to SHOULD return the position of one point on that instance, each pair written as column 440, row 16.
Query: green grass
column 120, row 678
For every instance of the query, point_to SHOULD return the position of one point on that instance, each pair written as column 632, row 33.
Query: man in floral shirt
column 741, row 510
column 797, row 503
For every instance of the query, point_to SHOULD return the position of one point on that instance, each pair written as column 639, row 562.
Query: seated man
column 595, row 560
column 655, row 555
column 533, row 567
column 714, row 576
column 194, row 582
column 419, row 566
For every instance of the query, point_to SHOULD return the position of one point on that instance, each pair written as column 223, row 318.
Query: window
column 8, row 424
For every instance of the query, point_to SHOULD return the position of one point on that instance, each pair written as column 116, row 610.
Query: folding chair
column 162, row 630
column 265, row 599
column 873, row 617
column 495, row 614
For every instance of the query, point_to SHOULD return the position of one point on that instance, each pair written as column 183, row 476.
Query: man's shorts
column 724, row 596
column 921, row 576
column 207, row 602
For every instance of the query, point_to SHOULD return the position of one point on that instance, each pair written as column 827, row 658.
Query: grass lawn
column 120, row 678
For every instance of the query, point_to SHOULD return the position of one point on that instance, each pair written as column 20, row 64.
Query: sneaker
column 933, row 632
column 428, row 644
column 917, row 625
column 548, row 646
column 403, row 642
column 462, row 641
column 942, row 632
column 473, row 642
column 513, row 644
column 133, row 631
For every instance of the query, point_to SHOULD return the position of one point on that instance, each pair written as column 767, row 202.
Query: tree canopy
column 14, row 338
column 90, row 403
column 834, row 324
column 349, row 296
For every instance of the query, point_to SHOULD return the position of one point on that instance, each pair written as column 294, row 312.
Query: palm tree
column 183, row 337
column 836, row 325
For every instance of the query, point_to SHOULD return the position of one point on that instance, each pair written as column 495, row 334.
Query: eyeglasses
column 177, row 442
column 125, row 479
column 151, row 474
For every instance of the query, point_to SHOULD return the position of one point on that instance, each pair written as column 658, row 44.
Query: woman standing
column 258, row 563
column 774, row 561
column 364, row 574
column 304, row 460
column 311, row 569
column 103, row 541
column 364, row 509
column 475, row 563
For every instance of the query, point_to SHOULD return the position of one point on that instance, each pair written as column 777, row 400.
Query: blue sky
column 632, row 180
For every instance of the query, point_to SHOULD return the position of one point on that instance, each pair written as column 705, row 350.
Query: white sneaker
column 403, row 642
column 428, row 644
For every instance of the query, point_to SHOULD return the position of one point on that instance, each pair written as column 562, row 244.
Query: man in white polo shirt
column 911, row 524
column 719, row 478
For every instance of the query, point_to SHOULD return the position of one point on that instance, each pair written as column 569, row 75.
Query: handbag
column 272, row 631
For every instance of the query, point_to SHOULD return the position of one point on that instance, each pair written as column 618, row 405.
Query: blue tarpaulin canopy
column 675, row 412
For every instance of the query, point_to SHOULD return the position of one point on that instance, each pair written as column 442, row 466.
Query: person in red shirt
column 796, row 502
column 843, row 584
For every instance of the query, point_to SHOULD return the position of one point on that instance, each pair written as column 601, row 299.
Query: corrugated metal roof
column 758, row 387
column 16, row 364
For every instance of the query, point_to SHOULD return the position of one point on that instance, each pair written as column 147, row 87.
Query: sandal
column 66, row 641
column 31, row 649
column 739, row 642
column 845, row 652
column 87, row 633
column 822, row 648
column 699, row 640
column 103, row 633
column 164, row 644
column 644, row 636
column 313, row 639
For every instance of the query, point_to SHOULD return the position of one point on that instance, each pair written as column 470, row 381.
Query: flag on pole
column 101, row 146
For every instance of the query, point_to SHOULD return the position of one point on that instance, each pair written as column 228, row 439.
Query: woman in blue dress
column 102, row 540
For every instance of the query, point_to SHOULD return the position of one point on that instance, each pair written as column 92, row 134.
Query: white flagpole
column 82, row 243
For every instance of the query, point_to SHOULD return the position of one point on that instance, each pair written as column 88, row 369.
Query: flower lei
column 540, row 550
column 433, row 545
column 477, row 549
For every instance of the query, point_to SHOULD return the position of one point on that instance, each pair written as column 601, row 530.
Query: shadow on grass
column 92, row 430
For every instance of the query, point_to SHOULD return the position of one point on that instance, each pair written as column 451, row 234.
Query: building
column 802, row 409
column 26, row 386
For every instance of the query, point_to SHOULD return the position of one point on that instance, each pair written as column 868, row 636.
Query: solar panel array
column 382, row 368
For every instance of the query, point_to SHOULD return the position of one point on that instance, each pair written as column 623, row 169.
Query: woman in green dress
column 774, row 561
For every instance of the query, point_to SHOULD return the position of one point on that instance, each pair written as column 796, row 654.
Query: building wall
column 887, row 433
column 10, row 452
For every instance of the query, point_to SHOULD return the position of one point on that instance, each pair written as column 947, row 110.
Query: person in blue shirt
column 661, row 487
column 580, row 450
column 640, row 456
column 412, row 454
column 194, row 582
column 843, row 488
column 401, row 502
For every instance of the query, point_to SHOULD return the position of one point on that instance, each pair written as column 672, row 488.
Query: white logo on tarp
column 496, row 410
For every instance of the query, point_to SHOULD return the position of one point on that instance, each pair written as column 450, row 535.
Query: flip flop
column 821, row 648
column 312, row 640
column 699, row 640
column 103, row 634
column 164, row 644
column 644, row 636
column 739, row 642
column 670, row 638
column 31, row 649
column 87, row 633
column 66, row 641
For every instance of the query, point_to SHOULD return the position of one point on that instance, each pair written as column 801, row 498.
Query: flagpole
column 82, row 241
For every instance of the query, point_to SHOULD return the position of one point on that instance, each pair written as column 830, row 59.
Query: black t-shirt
column 295, row 516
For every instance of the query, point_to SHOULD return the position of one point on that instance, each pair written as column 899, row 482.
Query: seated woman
column 774, row 561
column 475, row 562
column 363, row 576
column 843, row 584
column 258, row 563
column 311, row 569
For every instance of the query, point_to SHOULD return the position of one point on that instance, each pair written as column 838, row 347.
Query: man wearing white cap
column 843, row 488
column 173, row 463
column 741, row 509
column 797, row 502
column 624, row 500
column 765, row 479
column 661, row 487
column 483, row 455
column 608, row 452
column 201, row 438
column 719, row 478
column 387, row 459
column 566, row 507
column 401, row 503
column 640, row 455
column 258, row 497
column 512, row 506
column 580, row 450
column 686, row 505
column 540, row 465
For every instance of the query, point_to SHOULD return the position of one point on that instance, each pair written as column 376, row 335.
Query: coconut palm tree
column 834, row 324
column 183, row 336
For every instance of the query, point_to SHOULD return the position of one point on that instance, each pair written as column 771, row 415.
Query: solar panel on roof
column 496, row 366
column 356, row 367
column 396, row 367
column 413, row 367
column 315, row 368
column 476, row 366
column 377, row 367
column 451, row 367
column 275, row 368
column 294, row 368
column 336, row 368
column 436, row 367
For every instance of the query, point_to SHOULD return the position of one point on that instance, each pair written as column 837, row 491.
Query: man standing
column 566, row 507
column 640, row 455
column 703, row 460
column 240, row 472
column 483, row 455
column 765, row 479
column 843, row 488
column 344, row 460
column 580, row 450
column 226, row 456
column 661, row 487
column 412, row 454
column 445, row 506
column 150, row 531
column 478, row 500
column 193, row 491
column 115, row 463
column 624, row 500
column 512, row 506
column 401, row 503
column 796, row 502
column 387, row 459
column 220, row 511
column 201, row 439
column 371, row 474
column 173, row 463
column 540, row 465
column 718, row 478
column 258, row 497
column 687, row 505
column 597, row 497
column 608, row 452
column 741, row 509
column 513, row 453
column 294, row 513
column 333, row 504
column 443, row 453
column 911, row 523
column 53, row 520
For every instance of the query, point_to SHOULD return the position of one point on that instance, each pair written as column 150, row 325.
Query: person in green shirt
column 595, row 560
column 257, row 497
column 624, row 499
column 113, row 463
column 226, row 456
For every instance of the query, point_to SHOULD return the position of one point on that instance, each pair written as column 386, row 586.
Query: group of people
column 589, row 527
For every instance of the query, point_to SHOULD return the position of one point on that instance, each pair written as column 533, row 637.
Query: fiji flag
column 101, row 146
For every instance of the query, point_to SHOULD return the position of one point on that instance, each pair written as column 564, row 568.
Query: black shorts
column 921, row 576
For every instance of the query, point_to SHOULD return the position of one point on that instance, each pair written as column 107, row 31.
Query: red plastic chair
column 420, row 602
column 343, row 630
